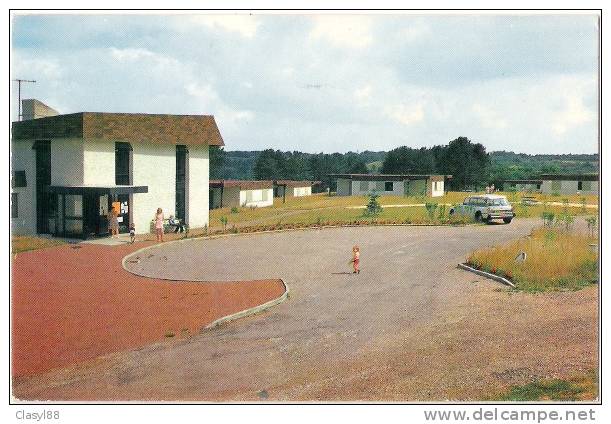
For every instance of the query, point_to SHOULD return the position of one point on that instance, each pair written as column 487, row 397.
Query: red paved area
column 70, row 305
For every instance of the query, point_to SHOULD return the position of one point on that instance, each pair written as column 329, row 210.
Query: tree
column 270, row 165
column 405, row 160
column 467, row 162
column 217, row 160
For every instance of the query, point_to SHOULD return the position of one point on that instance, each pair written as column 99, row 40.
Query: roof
column 108, row 189
column 296, row 183
column 570, row 177
column 191, row 130
column 524, row 181
column 489, row 196
column 389, row 177
column 242, row 184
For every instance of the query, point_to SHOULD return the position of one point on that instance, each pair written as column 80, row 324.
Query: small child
column 356, row 255
column 132, row 233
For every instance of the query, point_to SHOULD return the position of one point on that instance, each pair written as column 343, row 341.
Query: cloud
column 343, row 31
column 488, row 118
column 363, row 95
column 573, row 115
column 245, row 25
column 406, row 114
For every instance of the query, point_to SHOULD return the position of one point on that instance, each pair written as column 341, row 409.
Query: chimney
column 32, row 109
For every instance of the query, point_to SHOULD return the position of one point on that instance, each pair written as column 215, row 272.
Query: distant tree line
column 469, row 164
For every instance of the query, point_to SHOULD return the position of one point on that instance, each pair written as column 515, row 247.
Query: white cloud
column 415, row 32
column 406, row 114
column 245, row 25
column 343, row 31
column 131, row 54
column 363, row 95
column 488, row 118
column 573, row 114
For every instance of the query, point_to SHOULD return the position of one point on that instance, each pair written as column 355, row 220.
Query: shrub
column 234, row 210
column 431, row 207
column 548, row 218
column 224, row 221
column 373, row 207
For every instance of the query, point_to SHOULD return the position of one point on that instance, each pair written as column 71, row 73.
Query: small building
column 293, row 188
column 522, row 185
column 240, row 193
column 390, row 184
column 68, row 170
column 569, row 183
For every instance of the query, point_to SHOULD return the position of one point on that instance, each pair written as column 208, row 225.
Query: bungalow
column 292, row 188
column 236, row 193
column 391, row 184
column 68, row 170
column 569, row 184
column 522, row 185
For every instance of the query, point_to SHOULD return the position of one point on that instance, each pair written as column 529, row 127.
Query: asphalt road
column 332, row 318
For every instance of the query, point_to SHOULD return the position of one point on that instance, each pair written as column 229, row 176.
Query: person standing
column 356, row 257
column 159, row 224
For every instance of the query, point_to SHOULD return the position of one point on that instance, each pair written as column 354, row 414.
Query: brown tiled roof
column 191, row 130
column 242, row 184
column 390, row 177
column 523, row 181
column 570, row 177
column 296, row 183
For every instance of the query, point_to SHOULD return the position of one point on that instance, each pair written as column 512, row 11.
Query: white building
column 240, row 193
column 293, row 188
column 68, row 170
column 522, row 185
column 394, row 185
column 569, row 184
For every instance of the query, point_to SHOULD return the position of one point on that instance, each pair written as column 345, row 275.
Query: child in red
column 356, row 255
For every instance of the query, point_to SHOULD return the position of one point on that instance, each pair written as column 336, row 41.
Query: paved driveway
column 336, row 326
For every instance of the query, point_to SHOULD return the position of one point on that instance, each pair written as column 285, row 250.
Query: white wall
column 198, row 186
column 343, row 187
column 302, row 191
column 437, row 188
column 257, row 198
column 153, row 166
column 568, row 187
column 23, row 159
column 373, row 186
column 99, row 162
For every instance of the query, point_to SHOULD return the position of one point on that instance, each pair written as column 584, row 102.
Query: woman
column 115, row 223
column 159, row 224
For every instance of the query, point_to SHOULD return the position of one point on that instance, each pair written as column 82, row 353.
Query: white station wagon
column 485, row 207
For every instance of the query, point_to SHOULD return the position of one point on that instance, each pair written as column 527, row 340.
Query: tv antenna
column 19, row 81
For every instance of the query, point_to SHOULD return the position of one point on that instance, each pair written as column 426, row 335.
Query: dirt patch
column 70, row 305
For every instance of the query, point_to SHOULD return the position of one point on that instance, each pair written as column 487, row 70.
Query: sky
column 328, row 83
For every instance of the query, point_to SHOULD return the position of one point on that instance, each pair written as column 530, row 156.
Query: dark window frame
column 579, row 185
column 19, row 179
column 123, row 163
column 390, row 184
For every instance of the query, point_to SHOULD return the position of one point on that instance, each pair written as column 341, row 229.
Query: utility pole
column 19, row 81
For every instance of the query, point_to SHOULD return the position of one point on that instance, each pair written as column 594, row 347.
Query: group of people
column 113, row 224
column 174, row 222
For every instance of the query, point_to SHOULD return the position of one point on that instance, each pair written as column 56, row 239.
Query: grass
column 23, row 243
column 584, row 387
column 555, row 260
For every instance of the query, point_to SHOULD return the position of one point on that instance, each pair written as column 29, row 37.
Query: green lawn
column 583, row 387
column 23, row 244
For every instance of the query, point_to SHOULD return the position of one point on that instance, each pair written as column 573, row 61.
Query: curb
column 217, row 236
column 487, row 275
column 250, row 311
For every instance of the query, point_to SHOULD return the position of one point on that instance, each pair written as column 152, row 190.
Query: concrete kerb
column 487, row 275
column 250, row 311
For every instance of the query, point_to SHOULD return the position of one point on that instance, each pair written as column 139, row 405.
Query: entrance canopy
column 86, row 189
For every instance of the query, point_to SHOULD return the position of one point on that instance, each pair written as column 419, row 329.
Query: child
column 132, row 232
column 356, row 255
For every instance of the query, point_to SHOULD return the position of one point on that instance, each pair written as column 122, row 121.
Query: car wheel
column 478, row 216
column 451, row 212
column 507, row 220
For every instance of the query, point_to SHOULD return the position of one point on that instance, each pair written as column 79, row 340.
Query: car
column 485, row 208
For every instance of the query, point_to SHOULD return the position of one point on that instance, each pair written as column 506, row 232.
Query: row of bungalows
column 390, row 184
column 255, row 194
column 556, row 184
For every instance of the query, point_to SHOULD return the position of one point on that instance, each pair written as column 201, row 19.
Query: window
column 122, row 163
column 19, row 179
column 538, row 186
column 14, row 205
column 579, row 185
column 364, row 186
column 181, row 182
column 388, row 186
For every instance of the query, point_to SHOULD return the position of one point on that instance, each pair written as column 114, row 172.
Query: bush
column 234, row 210
column 373, row 207
column 431, row 207
column 224, row 221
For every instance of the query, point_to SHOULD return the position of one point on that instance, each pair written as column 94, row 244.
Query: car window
column 467, row 201
column 498, row 202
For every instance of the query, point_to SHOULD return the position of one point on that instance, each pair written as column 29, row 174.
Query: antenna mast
column 19, row 81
